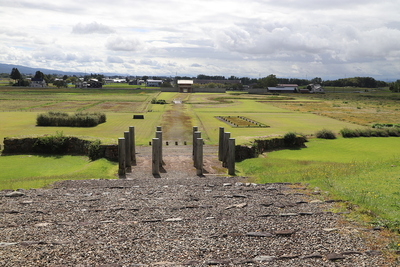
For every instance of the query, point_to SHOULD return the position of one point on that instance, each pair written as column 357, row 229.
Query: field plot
column 361, row 108
column 280, row 120
column 21, row 105
column 117, row 106
column 240, row 121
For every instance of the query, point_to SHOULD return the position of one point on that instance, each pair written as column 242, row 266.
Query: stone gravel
column 177, row 220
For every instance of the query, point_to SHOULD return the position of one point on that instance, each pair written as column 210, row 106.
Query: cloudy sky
column 245, row 38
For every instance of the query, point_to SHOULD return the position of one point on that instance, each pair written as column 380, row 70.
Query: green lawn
column 280, row 120
column 365, row 171
column 29, row 171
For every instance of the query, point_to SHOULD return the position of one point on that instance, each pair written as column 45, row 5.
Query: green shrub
column 64, row 119
column 371, row 132
column 325, row 134
column 290, row 139
column 348, row 133
column 160, row 101
column 94, row 150
column 52, row 144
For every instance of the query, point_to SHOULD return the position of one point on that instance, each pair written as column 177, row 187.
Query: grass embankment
column 28, row 171
column 364, row 171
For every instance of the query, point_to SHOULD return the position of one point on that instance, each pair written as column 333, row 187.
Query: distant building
column 313, row 88
column 283, row 89
column 185, row 86
column 93, row 83
column 201, row 81
column 154, row 83
column 37, row 82
column 294, row 86
column 115, row 80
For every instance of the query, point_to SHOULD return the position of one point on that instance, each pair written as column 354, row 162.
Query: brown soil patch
column 177, row 124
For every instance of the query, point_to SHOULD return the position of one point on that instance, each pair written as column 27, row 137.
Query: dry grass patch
column 358, row 112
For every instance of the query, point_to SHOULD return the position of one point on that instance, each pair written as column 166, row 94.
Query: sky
column 304, row 39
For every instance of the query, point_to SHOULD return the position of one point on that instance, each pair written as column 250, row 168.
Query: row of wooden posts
column 127, row 151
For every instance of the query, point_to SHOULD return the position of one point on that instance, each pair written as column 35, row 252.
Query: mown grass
column 364, row 171
column 32, row 171
column 280, row 120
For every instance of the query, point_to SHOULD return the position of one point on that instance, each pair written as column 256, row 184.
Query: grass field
column 364, row 171
column 327, row 164
column 28, row 171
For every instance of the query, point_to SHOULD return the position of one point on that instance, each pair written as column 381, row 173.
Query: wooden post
column 155, row 157
column 231, row 156
column 227, row 135
column 221, row 143
column 132, row 145
column 196, row 135
column 195, row 129
column 160, row 154
column 128, row 164
column 158, row 129
column 199, row 156
column 121, row 158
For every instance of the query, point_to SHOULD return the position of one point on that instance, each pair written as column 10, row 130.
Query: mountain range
column 6, row 68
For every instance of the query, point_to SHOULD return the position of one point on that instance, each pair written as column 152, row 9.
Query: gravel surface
column 177, row 220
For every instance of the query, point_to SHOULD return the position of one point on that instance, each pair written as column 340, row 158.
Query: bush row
column 79, row 119
column 372, row 132
column 385, row 125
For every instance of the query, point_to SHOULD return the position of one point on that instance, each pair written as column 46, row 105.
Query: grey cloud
column 91, row 28
column 114, row 59
column 195, row 65
column 118, row 43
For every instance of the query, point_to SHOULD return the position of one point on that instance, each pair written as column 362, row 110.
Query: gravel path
column 176, row 220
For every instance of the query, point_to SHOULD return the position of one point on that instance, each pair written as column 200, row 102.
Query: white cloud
column 219, row 37
column 91, row 28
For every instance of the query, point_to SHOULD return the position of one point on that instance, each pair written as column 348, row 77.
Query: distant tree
column 39, row 75
column 72, row 79
column 65, row 77
column 166, row 84
column 395, row 87
column 145, row 78
column 269, row 81
column 15, row 74
column 316, row 80
column 60, row 83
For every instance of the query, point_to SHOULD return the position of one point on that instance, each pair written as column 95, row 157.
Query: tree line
column 268, row 81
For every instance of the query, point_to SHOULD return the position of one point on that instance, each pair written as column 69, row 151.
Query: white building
column 154, row 83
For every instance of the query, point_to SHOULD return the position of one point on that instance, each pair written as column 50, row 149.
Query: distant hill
column 6, row 68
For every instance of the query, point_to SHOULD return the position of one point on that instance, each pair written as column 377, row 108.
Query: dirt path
column 177, row 124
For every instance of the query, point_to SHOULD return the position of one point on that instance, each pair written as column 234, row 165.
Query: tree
column 39, row 75
column 269, row 81
column 15, row 74
column 60, row 83
column 166, row 84
column 316, row 80
column 395, row 87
